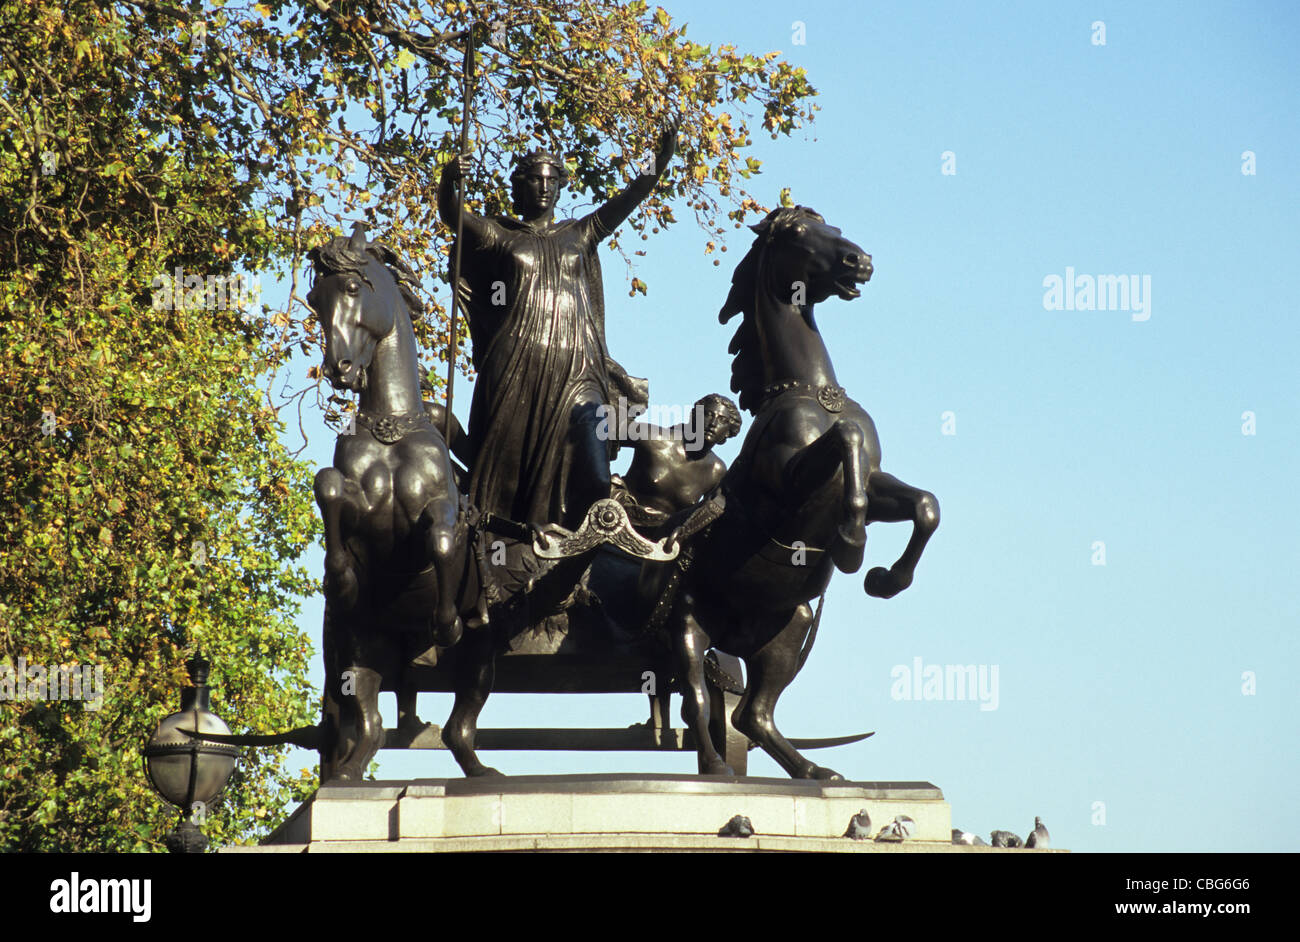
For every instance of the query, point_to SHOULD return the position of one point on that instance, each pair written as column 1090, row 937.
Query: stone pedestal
column 608, row 812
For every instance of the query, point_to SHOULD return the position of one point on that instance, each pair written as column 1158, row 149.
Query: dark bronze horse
column 799, row 495
column 397, row 559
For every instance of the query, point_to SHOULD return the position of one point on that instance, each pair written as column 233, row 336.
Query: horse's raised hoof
column 848, row 547
column 821, row 773
column 882, row 583
column 716, row 767
column 444, row 636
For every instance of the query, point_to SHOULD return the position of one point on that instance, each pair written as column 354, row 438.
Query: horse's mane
column 339, row 256
column 747, row 358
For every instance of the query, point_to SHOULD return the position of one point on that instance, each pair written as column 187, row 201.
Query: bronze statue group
column 435, row 567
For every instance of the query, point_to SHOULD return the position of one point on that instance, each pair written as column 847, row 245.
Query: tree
column 149, row 504
column 159, row 510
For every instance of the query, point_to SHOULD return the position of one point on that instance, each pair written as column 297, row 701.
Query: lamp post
column 185, row 770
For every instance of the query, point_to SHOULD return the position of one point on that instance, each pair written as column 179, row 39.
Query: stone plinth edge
column 607, row 812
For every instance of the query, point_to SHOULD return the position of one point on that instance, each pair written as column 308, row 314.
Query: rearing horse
column 394, row 560
column 806, row 483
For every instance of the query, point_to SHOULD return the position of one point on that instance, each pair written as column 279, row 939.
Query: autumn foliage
column 148, row 501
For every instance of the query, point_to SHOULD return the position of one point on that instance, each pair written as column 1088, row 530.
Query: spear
column 468, row 75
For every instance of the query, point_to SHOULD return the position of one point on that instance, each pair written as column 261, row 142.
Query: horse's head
column 356, row 295
column 800, row 259
column 796, row 261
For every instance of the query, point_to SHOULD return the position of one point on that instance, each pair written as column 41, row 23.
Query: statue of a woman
column 532, row 291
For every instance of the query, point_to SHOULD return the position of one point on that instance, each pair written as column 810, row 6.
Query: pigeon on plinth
column 1039, row 837
column 859, row 826
column 896, row 831
column 738, row 826
column 1005, row 839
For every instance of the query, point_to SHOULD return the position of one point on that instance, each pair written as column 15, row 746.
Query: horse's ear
column 358, row 240
column 764, row 225
column 386, row 254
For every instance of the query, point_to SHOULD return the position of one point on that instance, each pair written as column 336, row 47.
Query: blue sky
column 1119, row 683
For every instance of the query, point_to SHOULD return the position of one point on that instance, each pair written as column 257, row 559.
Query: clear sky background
column 1123, row 684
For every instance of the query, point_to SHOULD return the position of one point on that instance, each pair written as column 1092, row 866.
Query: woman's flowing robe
column 536, row 315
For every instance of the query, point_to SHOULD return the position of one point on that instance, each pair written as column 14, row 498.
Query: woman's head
column 535, row 184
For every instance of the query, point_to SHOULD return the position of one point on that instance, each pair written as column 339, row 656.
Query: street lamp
column 185, row 770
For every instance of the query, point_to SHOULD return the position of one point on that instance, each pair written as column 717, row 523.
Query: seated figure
column 672, row 468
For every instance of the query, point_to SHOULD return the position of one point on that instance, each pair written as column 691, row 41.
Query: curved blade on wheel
column 824, row 743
